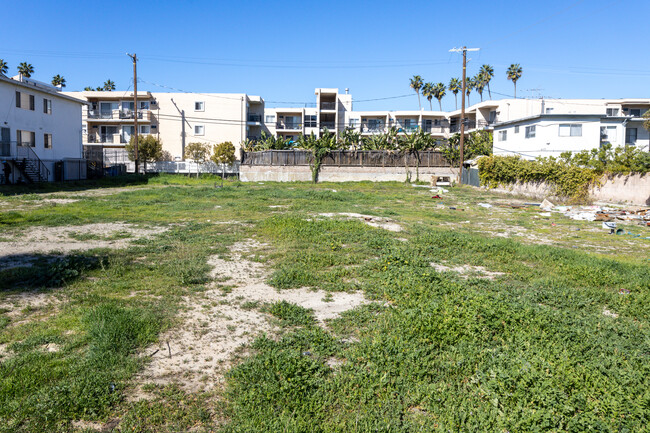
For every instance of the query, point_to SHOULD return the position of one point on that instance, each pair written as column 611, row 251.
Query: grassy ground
column 557, row 339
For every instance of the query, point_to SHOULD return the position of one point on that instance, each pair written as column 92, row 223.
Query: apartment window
column 530, row 131
column 630, row 136
column 310, row 121
column 516, row 129
column 503, row 135
column 26, row 138
column 145, row 129
column 24, row 100
column 354, row 123
column 612, row 111
column 47, row 141
column 549, row 111
column 608, row 133
column 568, row 130
column 47, row 106
column 269, row 119
column 199, row 130
column 199, row 106
column 436, row 122
column 143, row 105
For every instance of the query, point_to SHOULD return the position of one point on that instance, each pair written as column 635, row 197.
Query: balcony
column 328, row 106
column 469, row 124
column 106, row 138
column 288, row 126
column 407, row 127
column 255, row 118
column 143, row 115
column 331, row 126
column 373, row 128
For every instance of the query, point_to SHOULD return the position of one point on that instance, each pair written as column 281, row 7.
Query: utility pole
column 134, row 57
column 464, row 50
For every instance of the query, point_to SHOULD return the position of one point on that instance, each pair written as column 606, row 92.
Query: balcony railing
column 469, row 124
column 254, row 117
column 118, row 114
column 328, row 105
column 328, row 125
column 288, row 125
column 106, row 138
column 373, row 128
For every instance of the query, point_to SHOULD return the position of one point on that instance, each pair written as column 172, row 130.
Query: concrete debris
column 485, row 205
column 546, row 205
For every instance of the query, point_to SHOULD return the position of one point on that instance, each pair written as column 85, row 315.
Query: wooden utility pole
column 134, row 57
column 462, row 108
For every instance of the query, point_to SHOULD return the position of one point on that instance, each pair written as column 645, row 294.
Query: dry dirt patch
column 216, row 325
column 373, row 221
column 64, row 239
column 466, row 271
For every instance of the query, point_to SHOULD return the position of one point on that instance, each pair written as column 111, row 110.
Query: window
column 199, row 130
column 269, row 119
column 503, row 135
column 310, row 121
column 143, row 105
column 23, row 100
column 530, row 131
column 47, row 106
column 25, row 138
column 354, row 123
column 146, row 129
column 612, row 111
column 199, row 106
column 436, row 122
column 608, row 133
column 516, row 129
column 567, row 130
column 635, row 112
column 630, row 136
column 47, row 141
column 549, row 110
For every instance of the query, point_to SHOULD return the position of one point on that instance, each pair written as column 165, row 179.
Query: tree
column 412, row 144
column 476, row 143
column 319, row 148
column 514, row 73
column 488, row 74
column 88, row 89
column 439, row 91
column 350, row 138
column 427, row 92
column 455, row 86
column 109, row 85
column 149, row 149
column 480, row 82
column 58, row 80
column 25, row 69
column 223, row 153
column 646, row 122
column 469, row 86
column 197, row 152
column 416, row 85
column 4, row 67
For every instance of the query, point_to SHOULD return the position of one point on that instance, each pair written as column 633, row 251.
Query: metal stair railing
column 26, row 152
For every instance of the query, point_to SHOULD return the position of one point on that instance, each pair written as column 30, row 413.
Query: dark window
column 630, row 136
column 31, row 102
column 17, row 99
column 636, row 112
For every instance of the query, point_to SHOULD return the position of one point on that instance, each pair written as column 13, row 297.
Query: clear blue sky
column 283, row 50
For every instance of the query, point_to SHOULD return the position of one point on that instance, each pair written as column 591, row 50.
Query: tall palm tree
column 25, row 69
column 88, row 89
column 488, row 74
column 4, row 67
column 427, row 92
column 480, row 81
column 109, row 85
column 58, row 80
column 470, row 84
column 416, row 85
column 439, row 91
column 514, row 73
column 455, row 86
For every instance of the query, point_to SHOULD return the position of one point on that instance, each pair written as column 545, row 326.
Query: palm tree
column 514, row 73
column 488, row 74
column 109, row 85
column 58, row 80
column 416, row 84
column 455, row 87
column 88, row 89
column 427, row 92
column 470, row 84
column 25, row 69
column 3, row 67
column 480, row 81
column 439, row 91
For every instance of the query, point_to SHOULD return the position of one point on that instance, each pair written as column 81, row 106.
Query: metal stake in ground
column 134, row 57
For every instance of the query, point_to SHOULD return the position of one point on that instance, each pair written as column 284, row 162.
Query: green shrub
column 292, row 314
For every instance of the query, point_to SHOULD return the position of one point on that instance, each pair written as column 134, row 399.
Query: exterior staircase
column 30, row 165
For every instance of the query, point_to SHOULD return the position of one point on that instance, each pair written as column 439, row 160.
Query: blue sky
column 283, row 50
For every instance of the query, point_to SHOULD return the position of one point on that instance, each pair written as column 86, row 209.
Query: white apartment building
column 40, row 127
column 177, row 119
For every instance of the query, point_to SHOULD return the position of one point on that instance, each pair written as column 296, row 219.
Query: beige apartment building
column 177, row 119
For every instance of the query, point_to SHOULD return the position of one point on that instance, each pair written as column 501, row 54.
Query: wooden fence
column 345, row 158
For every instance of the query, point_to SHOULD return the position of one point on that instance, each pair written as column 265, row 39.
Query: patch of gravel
column 40, row 240
column 373, row 221
column 466, row 271
column 216, row 326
